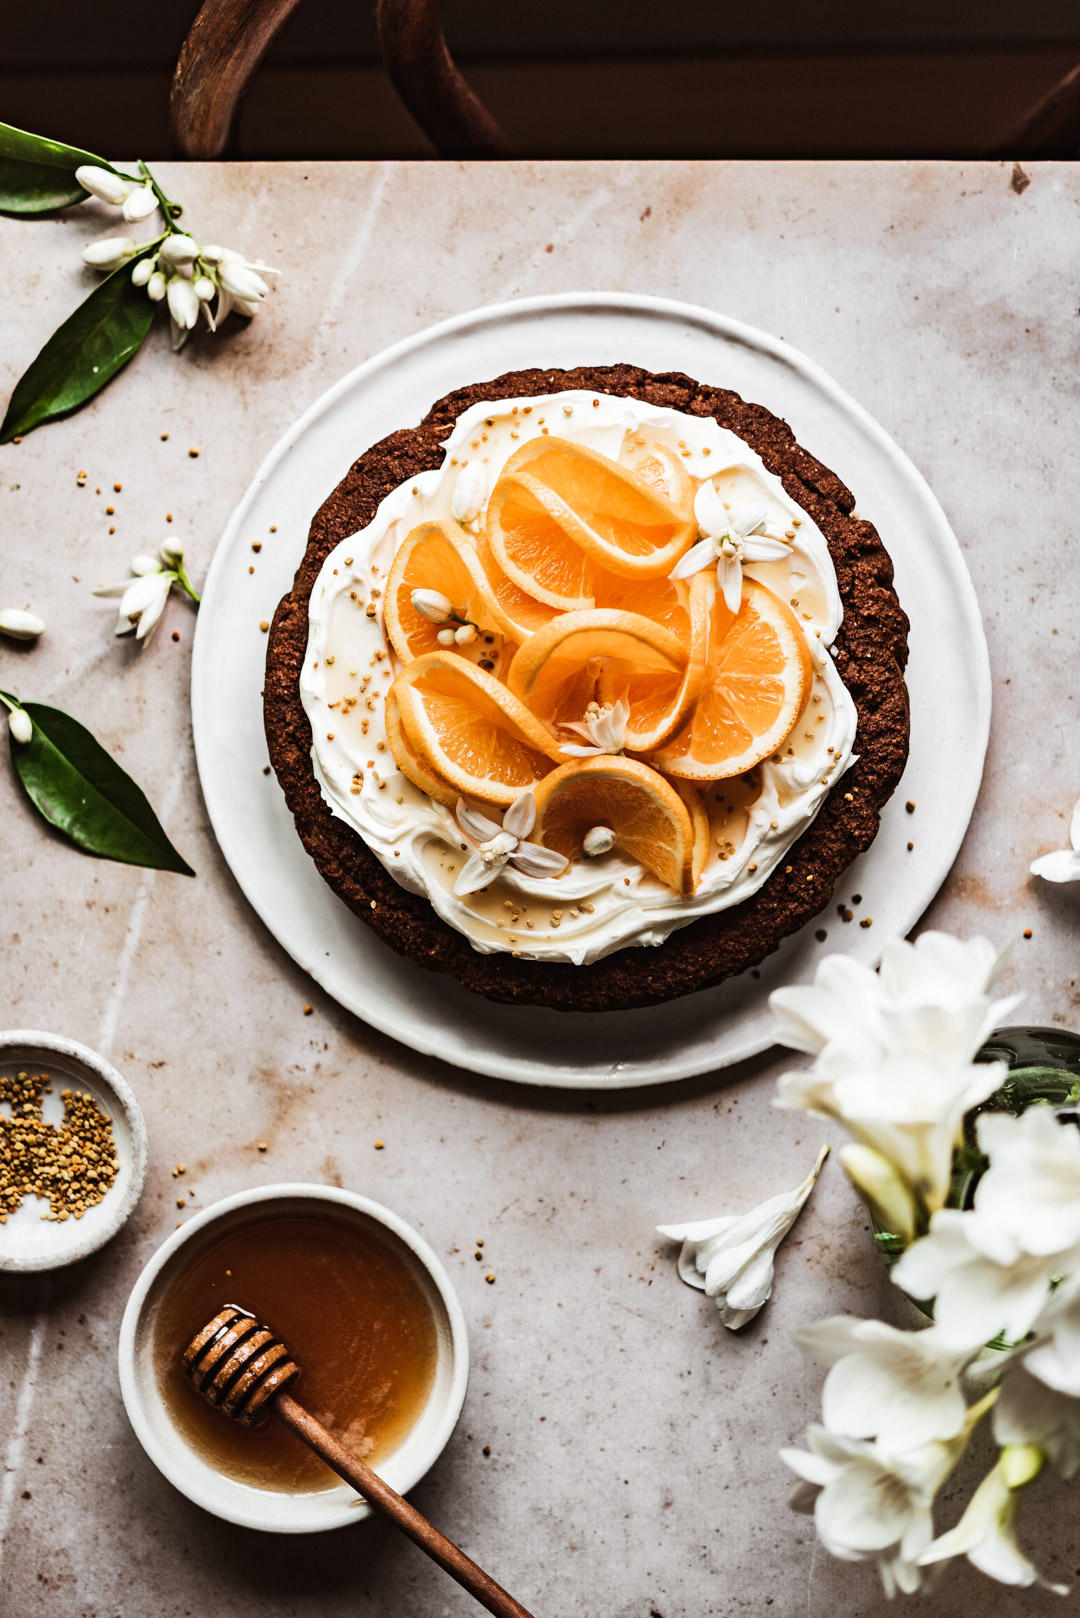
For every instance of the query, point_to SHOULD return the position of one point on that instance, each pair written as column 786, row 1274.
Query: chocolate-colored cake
column 870, row 653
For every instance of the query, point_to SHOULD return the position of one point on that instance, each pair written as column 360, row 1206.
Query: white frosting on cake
column 598, row 905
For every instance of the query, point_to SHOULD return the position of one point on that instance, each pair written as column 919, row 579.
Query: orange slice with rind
column 600, row 656
column 560, row 511
column 523, row 612
column 652, row 825
column 702, row 827
column 439, row 557
column 755, row 688
column 467, row 730
column 663, row 469
column 408, row 761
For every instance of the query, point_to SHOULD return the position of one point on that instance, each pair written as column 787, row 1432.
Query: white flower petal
column 183, row 302
column 760, row 549
column 474, row 824
column 109, row 253
column 745, row 519
column 729, row 578
column 709, row 512
column 470, row 487
column 179, row 249
column 20, row 625
column 473, row 876
column 703, row 554
column 1063, row 865
column 576, row 750
column 520, row 818
column 534, row 860
column 20, row 725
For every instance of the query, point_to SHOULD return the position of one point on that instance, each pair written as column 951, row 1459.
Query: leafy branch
column 38, row 176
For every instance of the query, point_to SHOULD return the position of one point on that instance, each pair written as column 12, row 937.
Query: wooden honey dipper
column 241, row 1368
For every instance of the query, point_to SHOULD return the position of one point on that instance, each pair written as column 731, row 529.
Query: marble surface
column 632, row 1469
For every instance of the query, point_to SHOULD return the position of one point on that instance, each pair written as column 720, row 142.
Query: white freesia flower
column 604, row 728
column 1063, row 865
column 21, row 725
column 730, row 538
column 982, row 1279
column 467, row 499
column 894, row 1049
column 900, row 1387
column 986, row 1533
column 882, row 1188
column 1032, row 1187
column 108, row 254
column 732, row 1258
column 240, row 280
column 503, row 845
column 1030, row 1412
column 143, row 597
column 139, row 203
column 103, row 184
column 19, row 625
column 869, row 1505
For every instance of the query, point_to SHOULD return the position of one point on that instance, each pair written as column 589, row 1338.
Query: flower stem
column 185, row 583
column 12, row 704
column 171, row 210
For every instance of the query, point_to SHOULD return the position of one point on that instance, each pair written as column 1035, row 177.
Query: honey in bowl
column 352, row 1307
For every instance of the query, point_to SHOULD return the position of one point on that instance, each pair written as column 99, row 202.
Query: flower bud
column 432, row 605
column 1020, row 1463
column 21, row 725
column 103, row 184
column 139, row 204
column 218, row 255
column 445, row 637
column 881, row 1187
column 204, row 288
column 143, row 564
column 142, row 272
column 157, row 286
column 598, row 841
column 246, row 306
column 465, row 635
column 468, row 496
column 179, row 249
column 20, row 625
column 183, row 304
column 241, row 280
column 110, row 253
column 171, row 555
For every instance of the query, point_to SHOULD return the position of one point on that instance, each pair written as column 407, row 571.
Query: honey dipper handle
column 387, row 1500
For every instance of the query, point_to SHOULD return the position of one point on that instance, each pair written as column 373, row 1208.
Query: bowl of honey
column 368, row 1313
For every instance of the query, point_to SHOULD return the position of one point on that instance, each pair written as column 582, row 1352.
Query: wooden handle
column 387, row 1500
column 424, row 76
column 228, row 40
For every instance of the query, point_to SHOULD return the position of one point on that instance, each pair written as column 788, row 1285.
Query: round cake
column 589, row 687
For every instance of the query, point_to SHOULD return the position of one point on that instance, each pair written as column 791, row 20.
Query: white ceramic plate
column 948, row 678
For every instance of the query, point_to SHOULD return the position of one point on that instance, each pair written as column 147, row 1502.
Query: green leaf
column 80, row 789
column 38, row 175
column 82, row 355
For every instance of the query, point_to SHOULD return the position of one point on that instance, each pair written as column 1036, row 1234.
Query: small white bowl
column 28, row 1242
column 272, row 1509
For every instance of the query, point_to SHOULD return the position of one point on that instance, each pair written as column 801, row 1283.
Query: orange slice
column 560, row 511
column 702, row 828
column 583, row 657
column 523, row 611
column 438, row 556
column 652, row 824
column 408, row 761
column 468, row 730
column 756, row 685
column 665, row 601
column 663, row 470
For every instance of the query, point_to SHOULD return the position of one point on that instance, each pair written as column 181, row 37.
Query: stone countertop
column 632, row 1469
